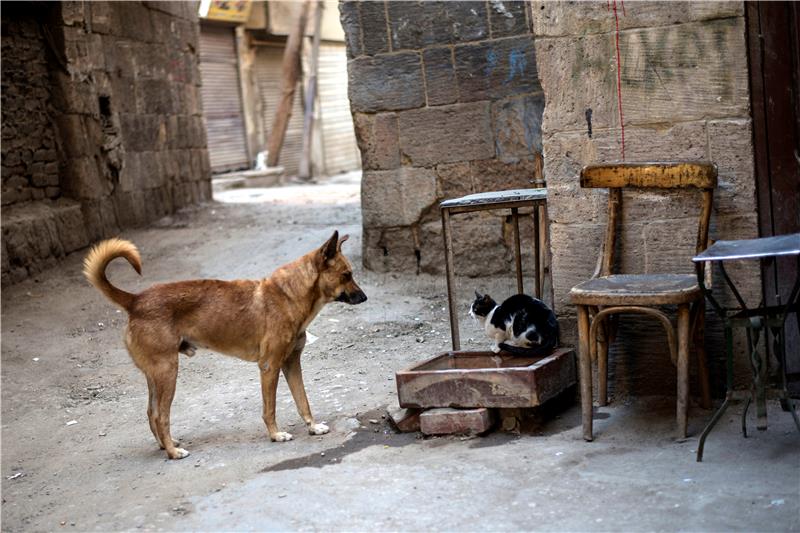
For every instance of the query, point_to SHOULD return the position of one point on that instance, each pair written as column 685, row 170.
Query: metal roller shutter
column 338, row 137
column 222, row 103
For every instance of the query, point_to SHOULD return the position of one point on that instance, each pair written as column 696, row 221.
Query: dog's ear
column 341, row 242
column 478, row 295
column 330, row 248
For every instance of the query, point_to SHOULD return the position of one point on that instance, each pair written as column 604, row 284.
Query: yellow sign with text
column 227, row 10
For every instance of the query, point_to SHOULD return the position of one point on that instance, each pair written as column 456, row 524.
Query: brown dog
column 256, row 320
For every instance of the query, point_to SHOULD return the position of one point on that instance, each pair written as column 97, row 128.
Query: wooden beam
column 290, row 74
column 304, row 171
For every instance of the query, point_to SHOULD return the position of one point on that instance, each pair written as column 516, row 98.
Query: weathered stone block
column 674, row 74
column 373, row 21
column 74, row 138
column 582, row 18
column 351, row 24
column 496, row 175
column 100, row 17
column 389, row 250
column 448, row 421
column 730, row 147
column 419, row 24
column 496, row 69
column 154, row 96
column 83, row 180
column 141, row 132
column 377, row 138
column 132, row 21
column 508, row 18
column 445, row 134
column 69, row 222
column 440, row 76
column 386, row 83
column 454, row 180
column 391, row 198
column 518, row 126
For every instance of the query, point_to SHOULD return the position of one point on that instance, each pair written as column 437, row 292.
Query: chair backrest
column 661, row 175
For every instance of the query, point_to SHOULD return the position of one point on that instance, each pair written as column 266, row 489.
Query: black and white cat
column 521, row 324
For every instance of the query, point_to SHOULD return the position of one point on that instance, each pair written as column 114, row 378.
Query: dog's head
column 336, row 273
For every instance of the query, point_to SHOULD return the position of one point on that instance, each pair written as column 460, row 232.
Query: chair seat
column 637, row 289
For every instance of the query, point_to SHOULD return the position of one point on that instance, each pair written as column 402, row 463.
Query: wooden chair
column 608, row 294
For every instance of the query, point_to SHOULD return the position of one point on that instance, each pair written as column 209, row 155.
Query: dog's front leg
column 294, row 377
column 270, row 370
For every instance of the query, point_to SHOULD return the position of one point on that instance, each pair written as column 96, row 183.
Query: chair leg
column 683, row 370
column 698, row 338
column 585, row 366
column 602, row 363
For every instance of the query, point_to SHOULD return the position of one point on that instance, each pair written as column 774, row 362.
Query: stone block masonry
column 102, row 126
column 684, row 93
column 446, row 101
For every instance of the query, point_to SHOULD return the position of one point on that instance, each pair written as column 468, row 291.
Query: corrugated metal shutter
column 338, row 137
column 268, row 77
column 222, row 101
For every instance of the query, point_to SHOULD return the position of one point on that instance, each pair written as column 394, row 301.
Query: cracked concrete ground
column 63, row 360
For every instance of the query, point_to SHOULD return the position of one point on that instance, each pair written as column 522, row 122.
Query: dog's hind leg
column 152, row 409
column 165, row 375
column 294, row 377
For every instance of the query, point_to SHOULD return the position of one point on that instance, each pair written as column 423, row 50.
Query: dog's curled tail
column 94, row 268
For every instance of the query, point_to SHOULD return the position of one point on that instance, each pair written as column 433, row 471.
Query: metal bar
column 537, row 255
column 710, row 426
column 517, row 252
column 451, row 289
column 732, row 286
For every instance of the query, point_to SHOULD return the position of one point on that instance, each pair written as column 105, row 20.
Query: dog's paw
column 281, row 436
column 496, row 348
column 178, row 453
column 318, row 429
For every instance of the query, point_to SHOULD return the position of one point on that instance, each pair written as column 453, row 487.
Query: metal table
column 511, row 199
column 756, row 321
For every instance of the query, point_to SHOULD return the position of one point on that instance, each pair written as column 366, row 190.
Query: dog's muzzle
column 352, row 298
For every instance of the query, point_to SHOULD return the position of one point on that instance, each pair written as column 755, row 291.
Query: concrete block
column 445, row 134
column 448, row 421
column 508, row 18
column 386, row 83
column 440, row 76
column 391, row 198
column 405, row 420
column 496, row 69
column 518, row 126
column 351, row 24
column 378, row 140
column 373, row 21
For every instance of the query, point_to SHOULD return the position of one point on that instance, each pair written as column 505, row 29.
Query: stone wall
column 102, row 124
column 684, row 94
column 446, row 101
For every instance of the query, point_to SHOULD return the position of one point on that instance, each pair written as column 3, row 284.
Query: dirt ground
column 77, row 453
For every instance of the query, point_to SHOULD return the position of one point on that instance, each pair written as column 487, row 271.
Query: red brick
column 405, row 420
column 447, row 421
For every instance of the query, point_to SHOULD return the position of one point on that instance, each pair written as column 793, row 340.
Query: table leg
column 451, row 289
column 517, row 252
column 585, row 367
column 683, row 370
